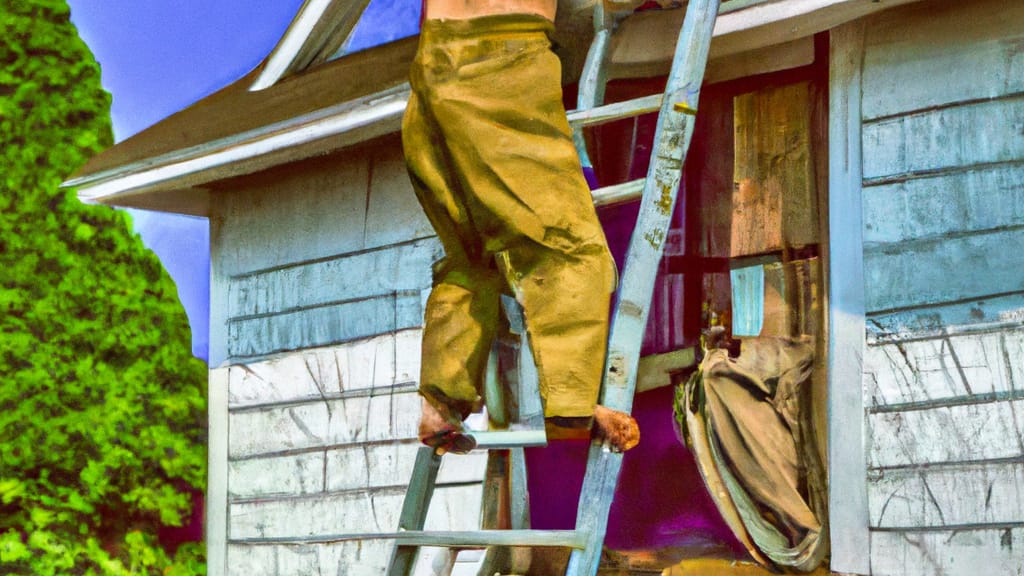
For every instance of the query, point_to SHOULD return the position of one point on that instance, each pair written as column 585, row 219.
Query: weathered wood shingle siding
column 319, row 276
column 943, row 205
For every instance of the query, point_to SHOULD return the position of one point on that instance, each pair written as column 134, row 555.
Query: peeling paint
column 655, row 238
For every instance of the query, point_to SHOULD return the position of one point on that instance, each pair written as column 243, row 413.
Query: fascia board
column 107, row 186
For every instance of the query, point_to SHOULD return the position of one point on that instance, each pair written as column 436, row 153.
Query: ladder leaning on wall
column 506, row 475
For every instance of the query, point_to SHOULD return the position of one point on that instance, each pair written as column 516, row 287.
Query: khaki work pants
column 490, row 155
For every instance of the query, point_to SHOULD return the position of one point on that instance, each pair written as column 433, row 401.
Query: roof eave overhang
column 185, row 174
column 302, row 137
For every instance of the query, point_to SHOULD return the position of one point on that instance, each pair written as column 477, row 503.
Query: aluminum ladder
column 677, row 108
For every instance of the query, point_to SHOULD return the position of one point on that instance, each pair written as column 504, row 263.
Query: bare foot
column 617, row 428
column 442, row 430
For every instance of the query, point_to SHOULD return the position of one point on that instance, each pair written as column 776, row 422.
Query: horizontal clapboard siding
column 949, row 552
column 929, row 371
column 369, row 511
column 364, row 558
column 977, row 200
column 949, row 434
column 334, row 251
column 353, row 368
column 943, row 220
column 323, row 442
column 339, row 469
column 324, row 325
column 329, row 301
column 960, row 136
column 960, row 495
column 402, row 267
column 932, row 54
column 943, row 270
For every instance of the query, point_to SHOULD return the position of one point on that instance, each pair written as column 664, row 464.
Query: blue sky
column 159, row 56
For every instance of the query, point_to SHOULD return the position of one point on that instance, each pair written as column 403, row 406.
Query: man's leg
column 461, row 313
column 506, row 133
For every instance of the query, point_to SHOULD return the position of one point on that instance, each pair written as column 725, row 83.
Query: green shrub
column 102, row 406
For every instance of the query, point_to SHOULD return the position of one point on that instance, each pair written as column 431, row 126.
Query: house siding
column 319, row 276
column 943, row 224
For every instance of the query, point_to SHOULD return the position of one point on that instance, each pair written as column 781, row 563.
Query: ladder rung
column 616, row 111
column 483, row 538
column 500, row 439
column 624, row 192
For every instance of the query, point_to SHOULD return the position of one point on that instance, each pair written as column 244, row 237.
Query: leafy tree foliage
column 102, row 406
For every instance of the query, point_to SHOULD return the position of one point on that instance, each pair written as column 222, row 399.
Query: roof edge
column 107, row 186
column 747, row 27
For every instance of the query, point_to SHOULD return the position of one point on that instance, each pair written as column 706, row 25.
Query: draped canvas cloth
column 747, row 421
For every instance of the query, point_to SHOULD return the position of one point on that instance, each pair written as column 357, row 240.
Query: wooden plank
column 276, row 476
column 216, row 503
column 358, row 467
column 958, row 495
column 980, row 55
column 774, row 198
column 948, row 552
column 962, row 433
column 367, row 558
column 367, row 511
column 324, row 423
column 393, row 215
column 279, row 218
column 218, row 336
column 324, row 325
column 363, row 365
column 246, row 560
column 960, row 136
column 944, row 368
column 971, row 201
column 344, row 277
column 938, row 271
column 848, row 507
column 932, row 321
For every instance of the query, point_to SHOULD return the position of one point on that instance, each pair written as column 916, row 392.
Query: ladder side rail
column 674, row 131
column 414, row 508
column 594, row 77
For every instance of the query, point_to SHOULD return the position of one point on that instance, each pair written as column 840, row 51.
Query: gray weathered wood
column 933, row 321
column 324, row 325
column 415, row 507
column 345, row 277
column 393, row 215
column 277, row 476
column 973, row 47
column 961, row 433
column 960, row 136
column 280, row 219
column 922, row 273
column 956, row 495
column 848, row 508
column 329, row 372
column 324, row 423
column 245, row 560
column 972, row 201
column 217, row 462
column 352, row 512
column 948, row 552
column 615, row 111
column 349, row 558
column 364, row 466
column 355, row 467
column 944, row 368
